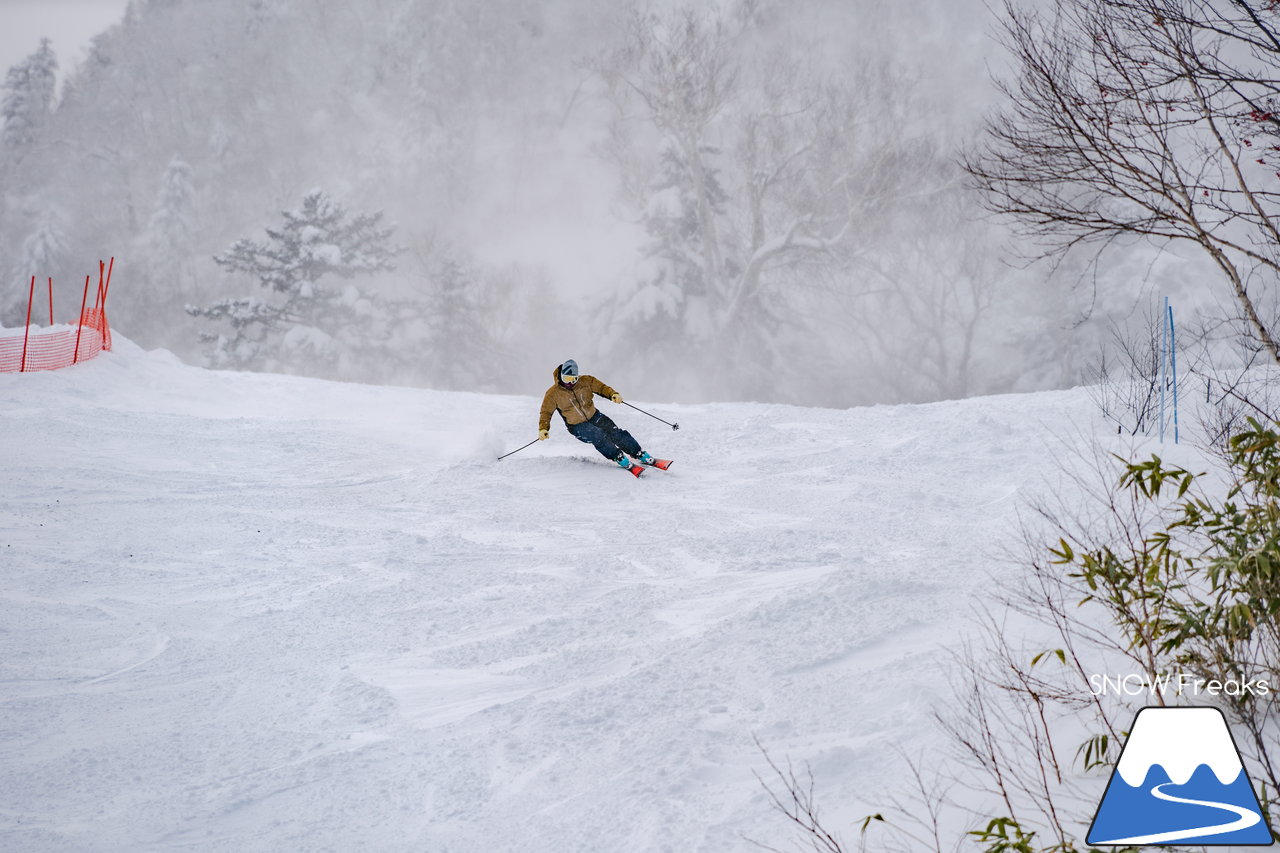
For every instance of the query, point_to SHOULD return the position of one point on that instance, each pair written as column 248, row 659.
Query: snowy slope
column 247, row 612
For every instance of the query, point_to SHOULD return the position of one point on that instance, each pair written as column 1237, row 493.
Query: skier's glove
column 617, row 398
column 542, row 434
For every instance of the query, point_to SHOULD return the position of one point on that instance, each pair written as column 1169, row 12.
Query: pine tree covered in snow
column 45, row 247
column 167, row 242
column 302, row 321
column 41, row 252
column 458, row 341
column 28, row 97
column 163, row 265
column 33, row 228
column 169, row 230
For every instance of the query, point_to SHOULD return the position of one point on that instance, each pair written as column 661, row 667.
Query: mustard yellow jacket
column 573, row 402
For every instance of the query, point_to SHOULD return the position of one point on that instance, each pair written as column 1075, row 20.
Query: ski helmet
column 569, row 369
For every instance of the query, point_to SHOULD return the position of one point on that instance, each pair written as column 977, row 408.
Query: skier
column 571, row 395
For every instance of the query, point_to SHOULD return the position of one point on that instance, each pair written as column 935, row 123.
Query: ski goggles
column 568, row 380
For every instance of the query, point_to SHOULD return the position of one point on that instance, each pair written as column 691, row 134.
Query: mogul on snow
column 573, row 395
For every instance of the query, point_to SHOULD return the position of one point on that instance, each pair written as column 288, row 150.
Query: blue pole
column 1173, row 361
column 1164, row 359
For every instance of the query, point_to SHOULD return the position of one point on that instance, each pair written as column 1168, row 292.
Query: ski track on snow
column 257, row 613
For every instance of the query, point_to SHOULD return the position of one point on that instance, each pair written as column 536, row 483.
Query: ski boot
column 649, row 460
column 626, row 465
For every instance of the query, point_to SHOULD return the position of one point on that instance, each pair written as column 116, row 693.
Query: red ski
column 664, row 464
column 635, row 469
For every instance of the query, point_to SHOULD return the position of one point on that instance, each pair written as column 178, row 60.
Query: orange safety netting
column 52, row 348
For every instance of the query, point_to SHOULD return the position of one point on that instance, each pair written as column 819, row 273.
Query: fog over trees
column 748, row 199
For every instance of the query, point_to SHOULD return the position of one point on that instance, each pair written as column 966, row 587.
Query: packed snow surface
column 246, row 612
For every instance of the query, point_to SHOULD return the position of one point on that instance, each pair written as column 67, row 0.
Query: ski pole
column 518, row 449
column 650, row 414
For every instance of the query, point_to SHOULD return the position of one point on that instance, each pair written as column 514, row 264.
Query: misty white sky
column 69, row 23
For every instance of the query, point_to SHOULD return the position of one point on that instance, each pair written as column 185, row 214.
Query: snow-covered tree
column 40, row 249
column 676, row 250
column 162, row 266
column 29, row 89
column 765, row 165
column 303, row 321
column 44, row 250
column 927, row 321
column 459, row 297
column 169, row 229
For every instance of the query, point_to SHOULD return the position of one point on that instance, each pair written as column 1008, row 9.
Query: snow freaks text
column 1176, row 684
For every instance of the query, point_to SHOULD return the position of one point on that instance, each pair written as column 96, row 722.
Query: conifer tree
column 28, row 97
column 169, row 230
column 304, row 321
column 45, row 247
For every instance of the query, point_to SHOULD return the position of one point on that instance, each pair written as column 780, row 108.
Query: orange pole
column 22, row 368
column 84, row 300
column 50, row 300
column 107, row 289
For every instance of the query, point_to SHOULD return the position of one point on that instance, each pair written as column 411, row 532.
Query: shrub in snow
column 1170, row 579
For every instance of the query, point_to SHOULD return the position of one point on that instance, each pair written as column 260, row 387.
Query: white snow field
column 246, row 612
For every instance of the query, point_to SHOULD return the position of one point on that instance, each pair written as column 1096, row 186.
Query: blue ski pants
column 609, row 438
